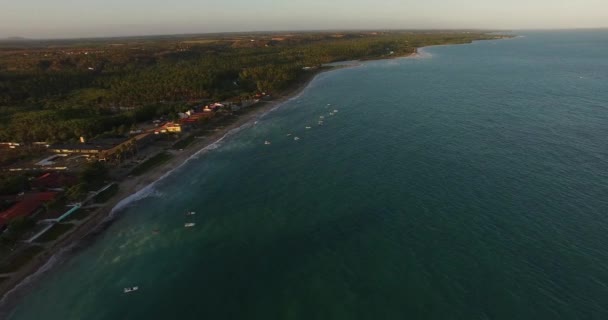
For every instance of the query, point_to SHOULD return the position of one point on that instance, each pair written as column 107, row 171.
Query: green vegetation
column 19, row 259
column 92, row 177
column 13, row 184
column 59, row 91
column 55, row 232
column 17, row 227
column 106, row 194
column 151, row 163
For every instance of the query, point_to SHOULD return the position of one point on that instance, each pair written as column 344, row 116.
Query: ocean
column 470, row 182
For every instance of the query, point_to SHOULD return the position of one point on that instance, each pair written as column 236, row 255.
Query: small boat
column 289, row 134
column 335, row 110
column 331, row 113
column 296, row 138
column 130, row 289
column 320, row 123
column 307, row 127
column 189, row 225
column 321, row 117
column 266, row 142
column 190, row 213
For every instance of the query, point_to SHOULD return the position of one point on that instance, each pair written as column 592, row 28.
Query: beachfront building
column 88, row 149
column 26, row 205
column 174, row 127
column 104, row 150
column 9, row 145
column 169, row 127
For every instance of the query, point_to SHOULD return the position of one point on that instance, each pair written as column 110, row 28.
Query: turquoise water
column 470, row 183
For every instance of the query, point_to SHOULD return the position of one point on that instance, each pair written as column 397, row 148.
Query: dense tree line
column 58, row 96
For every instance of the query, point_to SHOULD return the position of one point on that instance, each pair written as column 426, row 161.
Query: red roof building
column 27, row 205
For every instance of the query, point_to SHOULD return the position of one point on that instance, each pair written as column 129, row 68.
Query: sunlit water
column 469, row 183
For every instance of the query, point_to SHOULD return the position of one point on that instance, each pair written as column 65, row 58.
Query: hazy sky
column 84, row 18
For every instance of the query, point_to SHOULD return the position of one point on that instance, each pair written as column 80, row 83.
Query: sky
column 42, row 19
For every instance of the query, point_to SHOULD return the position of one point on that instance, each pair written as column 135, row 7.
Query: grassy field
column 56, row 232
column 151, row 163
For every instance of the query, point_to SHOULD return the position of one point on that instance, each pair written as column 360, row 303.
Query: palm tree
column 119, row 151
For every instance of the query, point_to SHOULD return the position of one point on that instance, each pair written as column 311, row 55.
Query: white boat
column 335, row 110
column 266, row 142
column 307, row 127
column 130, row 289
column 321, row 117
column 331, row 113
column 320, row 123
column 189, row 224
column 296, row 138
column 190, row 213
column 289, row 134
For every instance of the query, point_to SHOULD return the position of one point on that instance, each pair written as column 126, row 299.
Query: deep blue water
column 469, row 183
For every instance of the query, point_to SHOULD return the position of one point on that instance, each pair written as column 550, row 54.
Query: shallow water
column 469, row 183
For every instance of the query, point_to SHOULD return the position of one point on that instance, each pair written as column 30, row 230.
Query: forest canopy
column 59, row 91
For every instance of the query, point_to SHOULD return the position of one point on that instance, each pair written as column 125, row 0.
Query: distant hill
column 14, row 39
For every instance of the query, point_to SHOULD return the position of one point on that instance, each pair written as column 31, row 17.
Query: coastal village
column 55, row 188
column 84, row 125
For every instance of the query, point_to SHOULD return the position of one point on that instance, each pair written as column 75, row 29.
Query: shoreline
column 132, row 189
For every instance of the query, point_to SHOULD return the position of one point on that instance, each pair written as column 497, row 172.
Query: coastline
column 133, row 188
column 130, row 189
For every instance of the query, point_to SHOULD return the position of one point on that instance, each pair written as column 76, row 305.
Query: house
column 86, row 149
column 9, row 145
column 213, row 107
column 27, row 205
column 173, row 127
column 217, row 105
column 40, row 144
column 105, row 149
column 169, row 127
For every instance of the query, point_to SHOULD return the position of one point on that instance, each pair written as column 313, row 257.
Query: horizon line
column 101, row 37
